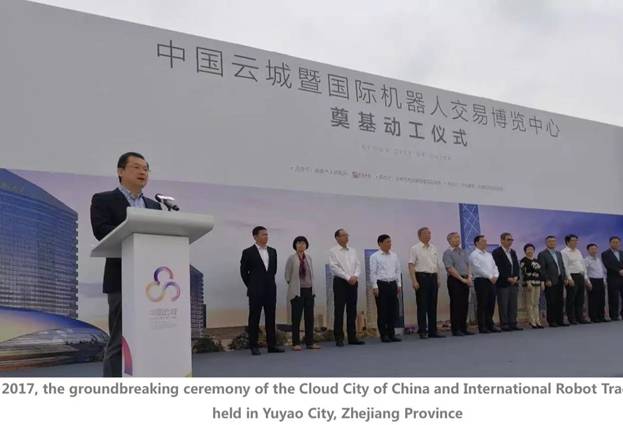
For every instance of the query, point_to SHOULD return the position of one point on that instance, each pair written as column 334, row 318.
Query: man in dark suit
column 258, row 266
column 507, row 287
column 108, row 210
column 553, row 269
column 613, row 262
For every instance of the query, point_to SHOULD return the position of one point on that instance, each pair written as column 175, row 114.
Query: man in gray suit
column 554, row 272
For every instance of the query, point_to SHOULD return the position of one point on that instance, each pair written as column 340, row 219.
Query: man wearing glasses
column 508, row 282
column 108, row 210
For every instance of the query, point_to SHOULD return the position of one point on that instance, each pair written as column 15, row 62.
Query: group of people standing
column 564, row 276
column 560, row 274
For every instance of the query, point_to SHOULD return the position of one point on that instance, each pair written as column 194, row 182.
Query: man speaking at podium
column 108, row 210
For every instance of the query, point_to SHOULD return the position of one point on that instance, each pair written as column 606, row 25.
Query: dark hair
column 257, row 230
column 421, row 230
column 613, row 238
column 300, row 239
column 569, row 237
column 123, row 160
column 337, row 232
column 504, row 235
column 549, row 237
column 382, row 238
column 591, row 245
column 528, row 245
column 478, row 238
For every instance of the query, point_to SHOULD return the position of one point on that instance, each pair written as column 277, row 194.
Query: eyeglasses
column 139, row 168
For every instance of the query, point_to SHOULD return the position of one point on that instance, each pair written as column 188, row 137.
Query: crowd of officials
column 566, row 277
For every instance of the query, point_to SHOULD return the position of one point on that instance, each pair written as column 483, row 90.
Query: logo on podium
column 157, row 290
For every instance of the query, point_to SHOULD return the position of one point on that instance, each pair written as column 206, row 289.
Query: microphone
column 168, row 201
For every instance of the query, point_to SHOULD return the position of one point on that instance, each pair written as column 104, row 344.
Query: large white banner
column 79, row 89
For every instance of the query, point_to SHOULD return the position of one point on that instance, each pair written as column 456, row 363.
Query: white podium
column 155, row 257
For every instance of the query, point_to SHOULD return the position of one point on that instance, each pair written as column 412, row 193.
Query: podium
column 154, row 249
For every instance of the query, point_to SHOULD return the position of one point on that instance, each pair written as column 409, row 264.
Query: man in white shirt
column 424, row 268
column 346, row 270
column 576, row 275
column 485, row 277
column 385, row 280
column 597, row 290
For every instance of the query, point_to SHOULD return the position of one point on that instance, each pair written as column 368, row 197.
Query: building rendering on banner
column 38, row 249
column 30, row 338
column 198, row 316
column 470, row 224
column 39, row 280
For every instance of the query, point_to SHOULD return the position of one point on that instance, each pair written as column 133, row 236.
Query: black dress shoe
column 563, row 324
column 615, row 319
column 423, row 336
column 385, row 339
column 484, row 331
column 339, row 343
column 506, row 329
column 540, row 327
column 516, row 328
column 458, row 333
column 436, row 336
column 395, row 339
column 467, row 333
column 356, row 342
column 584, row 322
column 276, row 350
column 553, row 325
column 494, row 330
column 255, row 351
column 573, row 322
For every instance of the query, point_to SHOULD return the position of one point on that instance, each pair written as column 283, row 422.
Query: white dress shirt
column 574, row 262
column 264, row 254
column 483, row 264
column 510, row 259
column 344, row 262
column 384, row 267
column 424, row 258
column 594, row 267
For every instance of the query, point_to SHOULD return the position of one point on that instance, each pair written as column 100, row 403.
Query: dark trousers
column 387, row 308
column 257, row 302
column 303, row 303
column 459, row 304
column 112, row 353
column 485, row 303
column 426, row 299
column 615, row 289
column 345, row 295
column 554, row 297
column 597, row 300
column 574, row 303
column 507, row 305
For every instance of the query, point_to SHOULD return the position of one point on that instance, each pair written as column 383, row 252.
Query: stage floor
column 582, row 350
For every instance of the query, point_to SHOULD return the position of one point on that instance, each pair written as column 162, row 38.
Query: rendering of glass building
column 197, row 306
column 38, row 249
column 34, row 338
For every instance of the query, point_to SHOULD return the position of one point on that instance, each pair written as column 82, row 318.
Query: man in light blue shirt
column 385, row 279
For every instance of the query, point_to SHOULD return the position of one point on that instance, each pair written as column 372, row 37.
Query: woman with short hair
column 299, row 277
